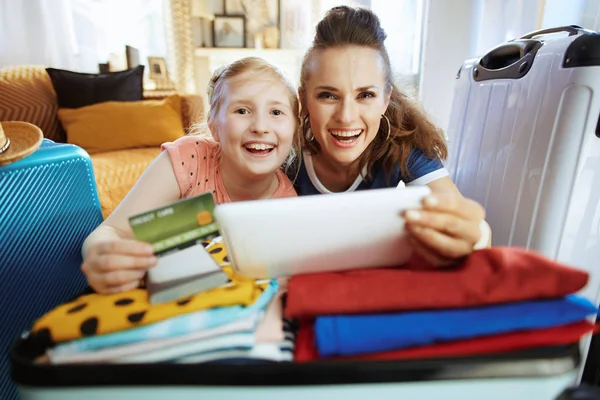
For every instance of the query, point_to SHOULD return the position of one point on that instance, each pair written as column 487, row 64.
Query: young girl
column 252, row 122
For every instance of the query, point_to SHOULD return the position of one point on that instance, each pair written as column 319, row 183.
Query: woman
column 360, row 132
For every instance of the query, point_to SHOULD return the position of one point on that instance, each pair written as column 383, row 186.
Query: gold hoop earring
column 388, row 126
column 310, row 138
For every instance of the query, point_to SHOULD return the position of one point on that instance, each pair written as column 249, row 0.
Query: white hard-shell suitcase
column 524, row 141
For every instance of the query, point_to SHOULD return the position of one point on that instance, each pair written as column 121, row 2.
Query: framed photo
column 103, row 68
column 229, row 31
column 158, row 69
column 262, row 20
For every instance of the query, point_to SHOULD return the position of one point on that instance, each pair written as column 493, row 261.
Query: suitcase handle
column 511, row 60
column 571, row 29
column 507, row 54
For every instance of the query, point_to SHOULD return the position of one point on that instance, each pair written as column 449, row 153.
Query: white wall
column 450, row 37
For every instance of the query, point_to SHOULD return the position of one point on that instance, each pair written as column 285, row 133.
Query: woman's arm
column 445, row 185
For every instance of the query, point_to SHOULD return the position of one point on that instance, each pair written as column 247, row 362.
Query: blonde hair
column 216, row 96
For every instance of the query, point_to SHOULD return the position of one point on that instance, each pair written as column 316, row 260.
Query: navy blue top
column 423, row 170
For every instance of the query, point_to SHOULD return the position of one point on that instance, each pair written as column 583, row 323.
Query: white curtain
column 585, row 13
column 503, row 20
column 79, row 34
column 104, row 27
column 180, row 45
column 38, row 32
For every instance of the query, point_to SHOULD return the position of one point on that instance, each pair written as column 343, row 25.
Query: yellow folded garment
column 97, row 314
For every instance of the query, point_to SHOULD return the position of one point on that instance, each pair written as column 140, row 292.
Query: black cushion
column 76, row 89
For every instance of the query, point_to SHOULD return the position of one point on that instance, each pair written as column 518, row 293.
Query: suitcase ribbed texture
column 524, row 137
column 48, row 205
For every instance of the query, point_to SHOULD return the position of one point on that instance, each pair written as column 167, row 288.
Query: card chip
column 204, row 218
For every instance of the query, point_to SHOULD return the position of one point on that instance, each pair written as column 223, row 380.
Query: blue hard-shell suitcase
column 48, row 205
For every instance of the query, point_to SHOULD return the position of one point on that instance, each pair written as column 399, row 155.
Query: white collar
column 310, row 170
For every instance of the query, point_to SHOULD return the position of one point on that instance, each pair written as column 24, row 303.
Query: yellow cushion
column 117, row 125
column 117, row 171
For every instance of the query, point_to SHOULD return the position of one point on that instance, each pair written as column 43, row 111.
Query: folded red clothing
column 306, row 351
column 489, row 276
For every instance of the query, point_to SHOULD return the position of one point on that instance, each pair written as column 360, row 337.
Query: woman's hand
column 116, row 265
column 446, row 229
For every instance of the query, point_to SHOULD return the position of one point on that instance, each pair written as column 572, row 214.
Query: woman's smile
column 345, row 138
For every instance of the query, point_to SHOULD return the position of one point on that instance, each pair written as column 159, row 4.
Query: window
column 103, row 27
column 402, row 21
column 585, row 13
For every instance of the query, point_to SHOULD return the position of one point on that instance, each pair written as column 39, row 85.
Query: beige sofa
column 27, row 94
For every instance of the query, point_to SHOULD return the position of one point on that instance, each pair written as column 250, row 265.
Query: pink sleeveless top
column 196, row 168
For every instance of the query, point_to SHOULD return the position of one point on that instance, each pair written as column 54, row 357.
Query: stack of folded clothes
column 240, row 322
column 498, row 300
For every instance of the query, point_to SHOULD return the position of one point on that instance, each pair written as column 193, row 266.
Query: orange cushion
column 115, row 125
column 117, row 171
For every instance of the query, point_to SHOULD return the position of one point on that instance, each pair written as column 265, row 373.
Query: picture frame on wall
column 158, row 69
column 229, row 31
column 262, row 21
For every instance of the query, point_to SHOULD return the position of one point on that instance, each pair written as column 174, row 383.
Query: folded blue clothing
column 371, row 333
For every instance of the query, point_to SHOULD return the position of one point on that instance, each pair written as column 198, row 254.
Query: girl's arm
column 113, row 260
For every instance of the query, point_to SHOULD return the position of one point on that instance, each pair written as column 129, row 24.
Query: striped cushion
column 28, row 95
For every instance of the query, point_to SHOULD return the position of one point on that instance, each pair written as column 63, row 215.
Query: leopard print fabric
column 97, row 314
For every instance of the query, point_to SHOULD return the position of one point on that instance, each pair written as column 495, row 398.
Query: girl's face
column 345, row 99
column 255, row 125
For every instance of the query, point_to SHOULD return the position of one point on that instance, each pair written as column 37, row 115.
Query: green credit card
column 178, row 225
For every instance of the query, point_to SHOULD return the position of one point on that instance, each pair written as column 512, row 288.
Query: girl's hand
column 446, row 229
column 117, row 265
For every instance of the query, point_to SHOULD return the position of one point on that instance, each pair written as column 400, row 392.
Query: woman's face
column 345, row 99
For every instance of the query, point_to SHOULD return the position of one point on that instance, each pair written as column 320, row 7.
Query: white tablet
column 284, row 237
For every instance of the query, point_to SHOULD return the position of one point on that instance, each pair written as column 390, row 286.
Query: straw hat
column 18, row 140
